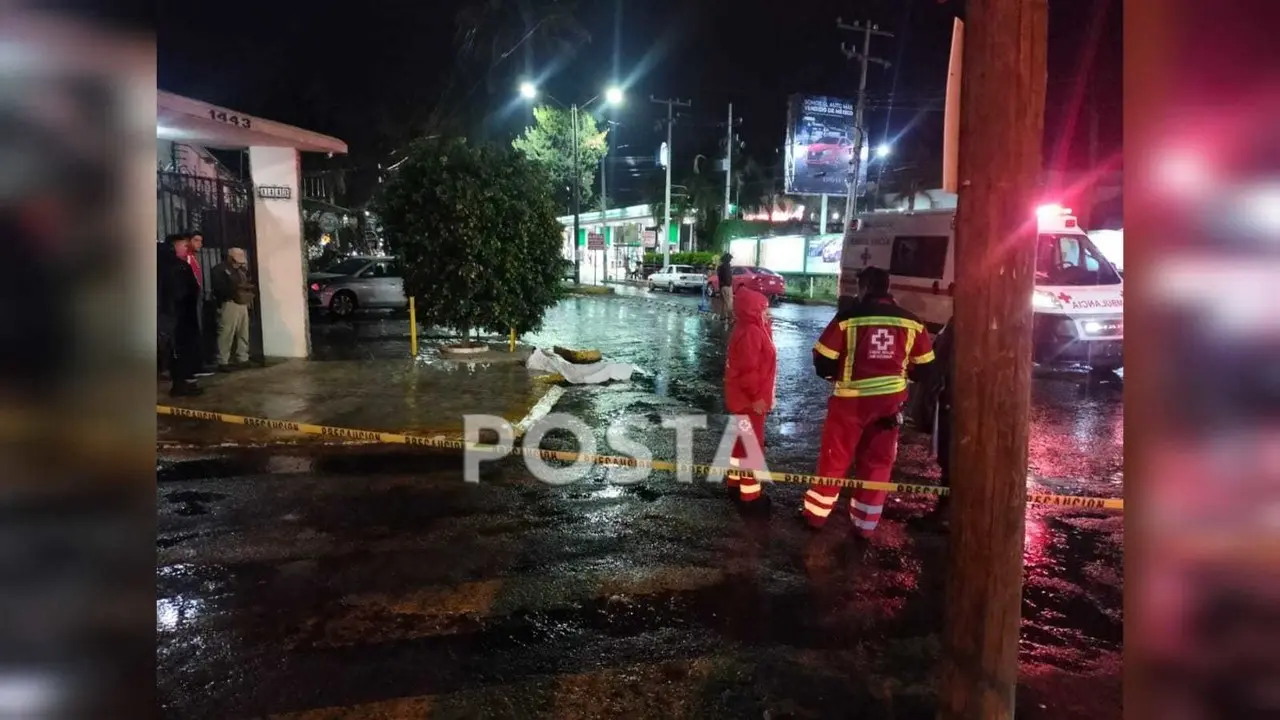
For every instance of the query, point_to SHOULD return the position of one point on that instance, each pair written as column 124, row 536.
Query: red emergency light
column 1052, row 210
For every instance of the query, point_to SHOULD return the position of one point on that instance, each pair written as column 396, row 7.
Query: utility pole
column 867, row 30
column 577, row 198
column 728, row 160
column 666, row 206
column 604, row 208
column 1001, row 129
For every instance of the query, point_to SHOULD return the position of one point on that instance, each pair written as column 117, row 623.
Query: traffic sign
column 595, row 241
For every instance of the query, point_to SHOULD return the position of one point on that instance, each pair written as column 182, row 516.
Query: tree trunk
column 1002, row 122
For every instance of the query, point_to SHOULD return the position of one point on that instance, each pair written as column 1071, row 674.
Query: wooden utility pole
column 1001, row 130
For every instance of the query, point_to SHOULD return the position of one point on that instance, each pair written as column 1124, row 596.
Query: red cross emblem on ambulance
column 1064, row 297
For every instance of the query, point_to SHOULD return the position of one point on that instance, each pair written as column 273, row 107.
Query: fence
column 221, row 210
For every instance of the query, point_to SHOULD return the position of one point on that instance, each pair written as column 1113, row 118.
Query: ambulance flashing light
column 1054, row 214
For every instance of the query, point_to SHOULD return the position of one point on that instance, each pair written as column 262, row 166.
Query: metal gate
column 221, row 210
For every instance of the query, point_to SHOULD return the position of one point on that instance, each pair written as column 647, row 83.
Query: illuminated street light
column 884, row 150
column 611, row 96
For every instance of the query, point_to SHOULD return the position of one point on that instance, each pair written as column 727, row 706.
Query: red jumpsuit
column 749, row 374
column 866, row 352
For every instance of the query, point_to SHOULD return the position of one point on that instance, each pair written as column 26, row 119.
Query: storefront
column 613, row 243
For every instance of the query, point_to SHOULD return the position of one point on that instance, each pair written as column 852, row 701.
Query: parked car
column 762, row 280
column 363, row 282
column 676, row 277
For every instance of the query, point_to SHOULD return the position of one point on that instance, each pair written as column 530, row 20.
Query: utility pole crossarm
column 859, row 27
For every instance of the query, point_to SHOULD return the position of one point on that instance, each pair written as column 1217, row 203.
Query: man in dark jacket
column 177, row 317
column 724, row 273
column 931, row 412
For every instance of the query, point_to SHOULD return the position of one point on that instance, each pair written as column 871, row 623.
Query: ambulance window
column 921, row 256
column 1071, row 260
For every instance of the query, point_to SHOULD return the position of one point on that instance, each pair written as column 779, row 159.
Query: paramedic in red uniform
column 749, row 374
column 866, row 352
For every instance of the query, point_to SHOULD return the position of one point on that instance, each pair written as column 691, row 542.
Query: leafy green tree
column 549, row 143
column 477, row 234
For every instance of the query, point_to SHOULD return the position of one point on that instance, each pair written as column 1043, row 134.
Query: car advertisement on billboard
column 824, row 254
column 820, row 145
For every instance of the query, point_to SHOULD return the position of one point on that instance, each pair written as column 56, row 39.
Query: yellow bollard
column 413, row 329
column 511, row 341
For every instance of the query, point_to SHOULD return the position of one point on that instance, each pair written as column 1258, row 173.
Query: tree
column 758, row 185
column 549, row 143
column 477, row 233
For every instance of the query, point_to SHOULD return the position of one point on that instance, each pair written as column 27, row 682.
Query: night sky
column 364, row 71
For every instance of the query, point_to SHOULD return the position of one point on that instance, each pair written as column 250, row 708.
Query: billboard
column 820, row 142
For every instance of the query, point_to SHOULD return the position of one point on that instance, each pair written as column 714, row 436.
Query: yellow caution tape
column 1074, row 501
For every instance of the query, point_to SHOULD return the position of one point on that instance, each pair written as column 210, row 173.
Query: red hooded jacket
column 751, row 367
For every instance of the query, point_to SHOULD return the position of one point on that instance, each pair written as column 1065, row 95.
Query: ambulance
column 1078, row 301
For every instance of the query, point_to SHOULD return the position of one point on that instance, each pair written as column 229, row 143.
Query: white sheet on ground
column 590, row 374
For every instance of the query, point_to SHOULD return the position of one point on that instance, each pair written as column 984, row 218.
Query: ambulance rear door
column 866, row 244
column 921, row 264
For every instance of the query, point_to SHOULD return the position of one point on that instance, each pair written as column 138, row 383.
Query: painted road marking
column 539, row 410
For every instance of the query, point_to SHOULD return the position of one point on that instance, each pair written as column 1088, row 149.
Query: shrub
column 476, row 231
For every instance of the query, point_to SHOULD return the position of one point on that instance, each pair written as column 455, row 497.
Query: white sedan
column 677, row 277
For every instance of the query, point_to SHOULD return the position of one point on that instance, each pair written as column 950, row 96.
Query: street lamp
column 884, row 151
column 612, row 96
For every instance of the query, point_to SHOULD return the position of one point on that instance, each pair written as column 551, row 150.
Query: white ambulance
column 1078, row 299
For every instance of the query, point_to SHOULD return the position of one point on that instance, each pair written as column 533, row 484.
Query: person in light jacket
column 233, row 291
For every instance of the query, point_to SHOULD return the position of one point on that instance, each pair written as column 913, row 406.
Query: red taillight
column 315, row 286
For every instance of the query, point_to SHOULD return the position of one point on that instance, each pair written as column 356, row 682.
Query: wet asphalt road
column 374, row 583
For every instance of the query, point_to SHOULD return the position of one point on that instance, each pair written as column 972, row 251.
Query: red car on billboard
column 831, row 150
column 762, row 280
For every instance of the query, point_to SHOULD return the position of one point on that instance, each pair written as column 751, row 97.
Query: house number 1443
column 237, row 120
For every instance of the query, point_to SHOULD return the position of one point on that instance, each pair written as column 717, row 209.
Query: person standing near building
column 724, row 273
column 196, row 243
column 865, row 352
column 178, row 297
column 233, row 291
column 930, row 411
column 750, row 374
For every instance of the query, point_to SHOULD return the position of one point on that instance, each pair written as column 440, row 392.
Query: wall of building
column 281, row 254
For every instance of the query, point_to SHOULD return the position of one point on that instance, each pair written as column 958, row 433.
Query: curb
column 808, row 301
column 589, row 290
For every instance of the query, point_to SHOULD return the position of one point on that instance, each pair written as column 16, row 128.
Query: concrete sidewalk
column 426, row 397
